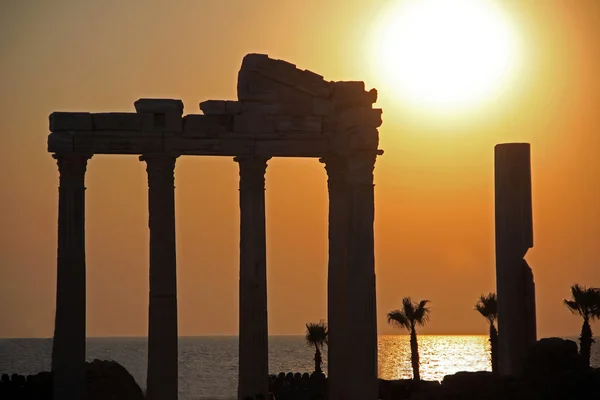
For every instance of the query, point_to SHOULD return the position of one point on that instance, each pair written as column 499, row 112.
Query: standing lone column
column 361, row 305
column 337, row 350
column 253, row 329
column 514, row 236
column 68, row 346
column 162, row 374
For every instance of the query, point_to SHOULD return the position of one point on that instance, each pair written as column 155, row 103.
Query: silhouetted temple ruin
column 281, row 111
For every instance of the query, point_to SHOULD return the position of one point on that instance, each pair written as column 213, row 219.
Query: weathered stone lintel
column 275, row 145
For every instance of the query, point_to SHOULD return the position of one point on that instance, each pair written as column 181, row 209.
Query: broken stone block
column 254, row 61
column 277, row 70
column 117, row 121
column 298, row 124
column 253, row 124
column 351, row 94
column 359, row 117
column 253, row 86
column 207, row 125
column 313, row 84
column 70, row 121
column 160, row 114
column 322, row 106
column 210, row 107
column 156, row 106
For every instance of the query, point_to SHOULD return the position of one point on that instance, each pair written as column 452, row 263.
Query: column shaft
column 68, row 347
column 253, row 328
column 362, row 332
column 162, row 376
column 337, row 366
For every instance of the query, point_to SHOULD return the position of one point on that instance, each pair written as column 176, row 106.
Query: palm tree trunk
column 585, row 341
column 494, row 346
column 318, row 360
column 414, row 355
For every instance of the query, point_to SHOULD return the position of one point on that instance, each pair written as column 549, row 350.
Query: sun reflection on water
column 440, row 355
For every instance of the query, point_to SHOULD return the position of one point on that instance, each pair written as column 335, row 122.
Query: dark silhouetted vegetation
column 411, row 315
column 316, row 335
column 585, row 302
column 487, row 305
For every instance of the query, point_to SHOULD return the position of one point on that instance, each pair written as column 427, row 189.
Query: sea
column 208, row 365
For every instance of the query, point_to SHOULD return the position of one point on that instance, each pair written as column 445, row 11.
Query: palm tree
column 316, row 335
column 487, row 305
column 585, row 302
column 411, row 315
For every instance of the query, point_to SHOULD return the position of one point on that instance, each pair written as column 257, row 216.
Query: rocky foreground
column 554, row 371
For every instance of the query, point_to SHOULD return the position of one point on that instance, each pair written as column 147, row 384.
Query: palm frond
column 409, row 308
column 584, row 302
column 487, row 306
column 398, row 319
column 422, row 313
column 410, row 315
column 316, row 333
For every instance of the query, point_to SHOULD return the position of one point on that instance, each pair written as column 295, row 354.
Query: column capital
column 72, row 168
column 252, row 171
column 160, row 169
column 360, row 168
column 353, row 169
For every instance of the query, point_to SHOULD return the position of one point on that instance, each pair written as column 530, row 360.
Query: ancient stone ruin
column 514, row 237
column 281, row 111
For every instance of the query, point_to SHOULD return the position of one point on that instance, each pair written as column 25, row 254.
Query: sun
column 445, row 55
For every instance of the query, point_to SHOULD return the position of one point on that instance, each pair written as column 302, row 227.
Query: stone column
column 337, row 350
column 514, row 236
column 361, row 329
column 162, row 376
column 68, row 346
column 253, row 328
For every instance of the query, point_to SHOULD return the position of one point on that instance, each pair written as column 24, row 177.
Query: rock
column 553, row 355
column 110, row 380
column 104, row 380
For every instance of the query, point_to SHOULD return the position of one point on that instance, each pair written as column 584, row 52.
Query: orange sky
column 434, row 196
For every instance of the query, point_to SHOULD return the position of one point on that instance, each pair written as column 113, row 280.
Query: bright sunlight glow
column 445, row 55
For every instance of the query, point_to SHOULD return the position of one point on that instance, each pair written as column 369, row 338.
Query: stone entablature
column 282, row 111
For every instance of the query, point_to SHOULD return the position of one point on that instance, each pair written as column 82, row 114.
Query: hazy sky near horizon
column 434, row 229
